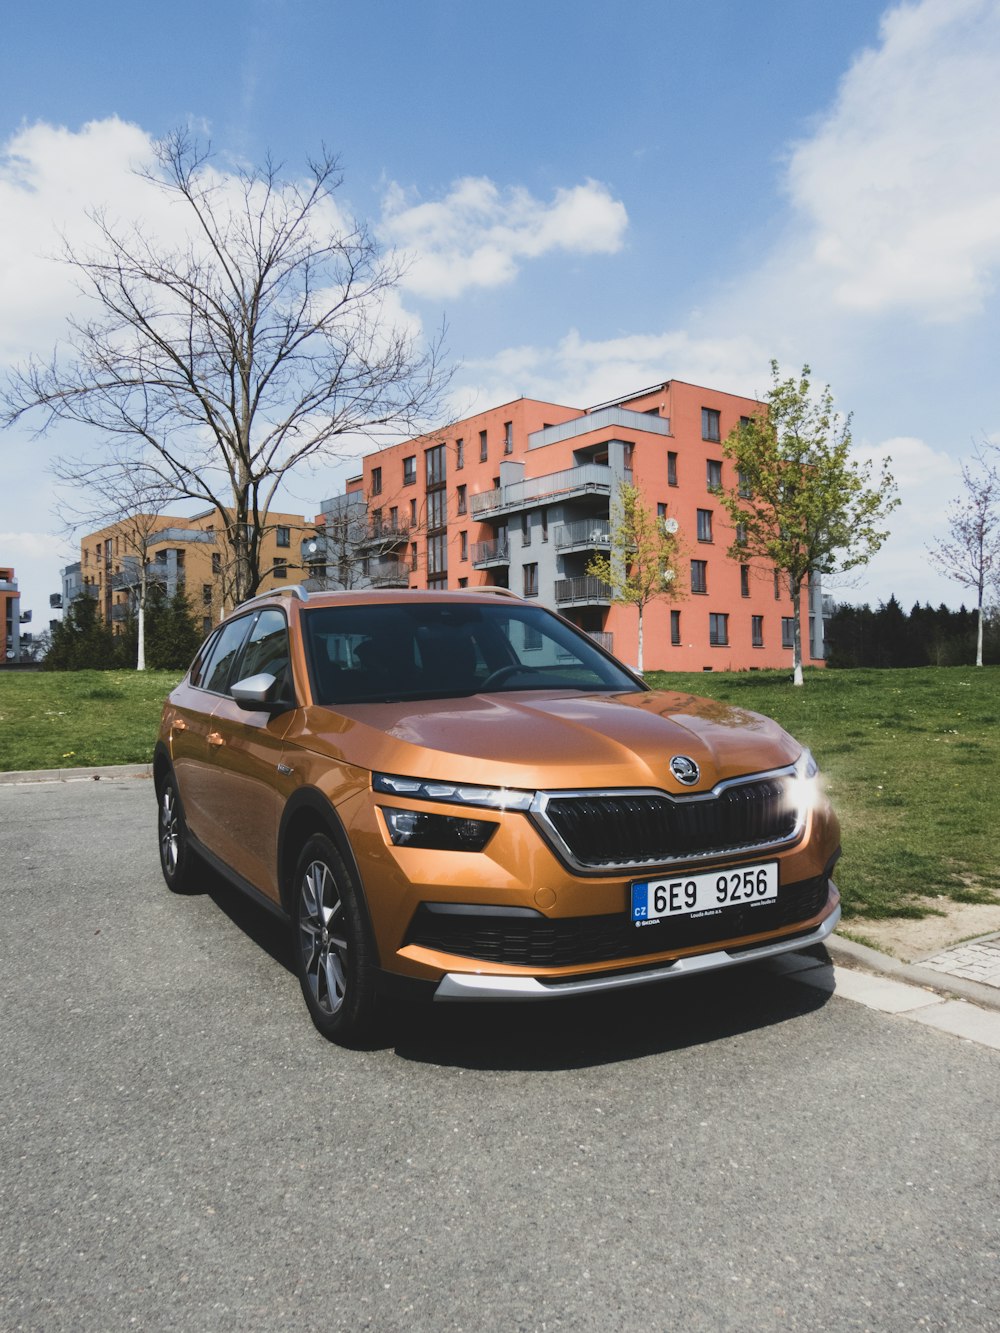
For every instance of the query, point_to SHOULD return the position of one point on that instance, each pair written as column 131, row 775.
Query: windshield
column 439, row 650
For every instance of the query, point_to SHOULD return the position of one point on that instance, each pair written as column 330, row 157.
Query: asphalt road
column 181, row 1150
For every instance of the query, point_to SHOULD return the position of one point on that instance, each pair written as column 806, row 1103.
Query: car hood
column 546, row 740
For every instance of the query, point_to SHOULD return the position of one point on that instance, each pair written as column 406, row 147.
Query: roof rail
column 295, row 590
column 493, row 589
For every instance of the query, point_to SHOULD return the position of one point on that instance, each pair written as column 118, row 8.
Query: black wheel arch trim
column 315, row 803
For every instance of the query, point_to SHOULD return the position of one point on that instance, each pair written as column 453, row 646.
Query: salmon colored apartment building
column 522, row 496
column 10, row 615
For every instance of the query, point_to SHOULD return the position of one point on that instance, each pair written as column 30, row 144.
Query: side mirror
column 259, row 694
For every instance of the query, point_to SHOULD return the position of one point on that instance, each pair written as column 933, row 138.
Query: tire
column 332, row 945
column 177, row 860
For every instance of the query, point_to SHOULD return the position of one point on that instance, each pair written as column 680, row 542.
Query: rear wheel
column 176, row 857
column 334, row 954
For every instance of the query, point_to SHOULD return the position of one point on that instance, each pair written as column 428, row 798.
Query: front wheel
column 334, row 954
column 176, row 856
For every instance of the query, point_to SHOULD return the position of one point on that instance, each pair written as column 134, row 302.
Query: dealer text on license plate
column 709, row 891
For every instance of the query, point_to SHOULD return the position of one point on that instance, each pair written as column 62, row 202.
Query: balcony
column 486, row 555
column 582, row 591
column 385, row 535
column 586, row 535
column 589, row 479
column 389, row 574
column 156, row 572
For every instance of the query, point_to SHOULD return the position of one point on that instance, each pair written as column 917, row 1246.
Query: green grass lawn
column 910, row 759
column 73, row 719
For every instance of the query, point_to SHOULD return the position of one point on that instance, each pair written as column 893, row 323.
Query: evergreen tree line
column 857, row 636
column 81, row 641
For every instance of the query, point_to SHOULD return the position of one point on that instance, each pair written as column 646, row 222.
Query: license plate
column 701, row 894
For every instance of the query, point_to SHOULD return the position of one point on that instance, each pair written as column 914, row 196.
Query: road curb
column 101, row 773
column 863, row 959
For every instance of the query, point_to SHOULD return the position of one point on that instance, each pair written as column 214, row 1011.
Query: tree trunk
column 797, row 633
column 979, row 635
column 140, row 656
column 639, row 658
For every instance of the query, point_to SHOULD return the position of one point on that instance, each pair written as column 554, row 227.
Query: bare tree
column 970, row 554
column 119, row 490
column 260, row 342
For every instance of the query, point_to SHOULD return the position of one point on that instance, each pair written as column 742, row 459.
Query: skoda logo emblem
column 685, row 770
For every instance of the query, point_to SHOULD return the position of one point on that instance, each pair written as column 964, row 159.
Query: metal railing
column 589, row 478
column 604, row 638
column 585, row 588
column 491, row 553
column 586, row 532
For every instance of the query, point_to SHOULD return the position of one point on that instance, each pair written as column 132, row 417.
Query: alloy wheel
column 322, row 937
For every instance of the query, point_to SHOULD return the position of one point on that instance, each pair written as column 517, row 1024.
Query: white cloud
column 49, row 178
column 477, row 235
column 899, row 185
column 580, row 371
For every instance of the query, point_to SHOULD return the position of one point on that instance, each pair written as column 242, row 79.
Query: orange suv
column 462, row 791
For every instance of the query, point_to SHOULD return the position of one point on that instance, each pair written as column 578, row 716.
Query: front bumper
column 475, row 986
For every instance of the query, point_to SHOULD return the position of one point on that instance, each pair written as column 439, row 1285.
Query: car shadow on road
column 603, row 1029
column 571, row 1033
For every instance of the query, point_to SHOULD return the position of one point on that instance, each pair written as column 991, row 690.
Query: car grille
column 528, row 939
column 644, row 828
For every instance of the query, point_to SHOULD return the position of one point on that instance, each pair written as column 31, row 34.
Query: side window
column 215, row 673
column 200, row 664
column 267, row 650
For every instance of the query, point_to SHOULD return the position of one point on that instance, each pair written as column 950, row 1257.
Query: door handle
column 215, row 739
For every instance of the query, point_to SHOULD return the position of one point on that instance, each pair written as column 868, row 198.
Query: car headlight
column 804, row 788
column 452, row 793
column 441, row 833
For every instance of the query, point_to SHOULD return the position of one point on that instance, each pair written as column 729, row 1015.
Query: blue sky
column 595, row 199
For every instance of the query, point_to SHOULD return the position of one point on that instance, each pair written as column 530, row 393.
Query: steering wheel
column 501, row 674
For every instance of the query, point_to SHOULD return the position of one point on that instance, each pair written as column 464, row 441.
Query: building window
column 525, row 530
column 699, row 576
column 744, row 580
column 413, row 513
column 283, row 536
column 508, row 437
column 216, row 563
column 741, row 534
column 376, row 481
column 704, row 525
column 757, row 631
column 482, row 447
column 671, row 469
column 545, row 525
column 206, row 594
column 462, row 502
column 777, row 585
column 675, row 628
column 459, row 454
column 787, row 632
column 713, row 474
column 376, row 522
column 437, row 558
column 710, row 425
column 280, row 567
column 437, row 510
column 743, row 484
column 463, row 543
column 718, row 630
column 661, row 510
column 463, row 583
column 413, row 555
column 531, row 580
column 394, row 518
column 435, row 465
column 410, row 471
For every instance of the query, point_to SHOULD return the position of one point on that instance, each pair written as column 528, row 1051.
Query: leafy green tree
column 172, row 632
column 643, row 564
column 801, row 502
column 81, row 641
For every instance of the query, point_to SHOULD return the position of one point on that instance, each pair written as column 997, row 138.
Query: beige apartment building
column 192, row 553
